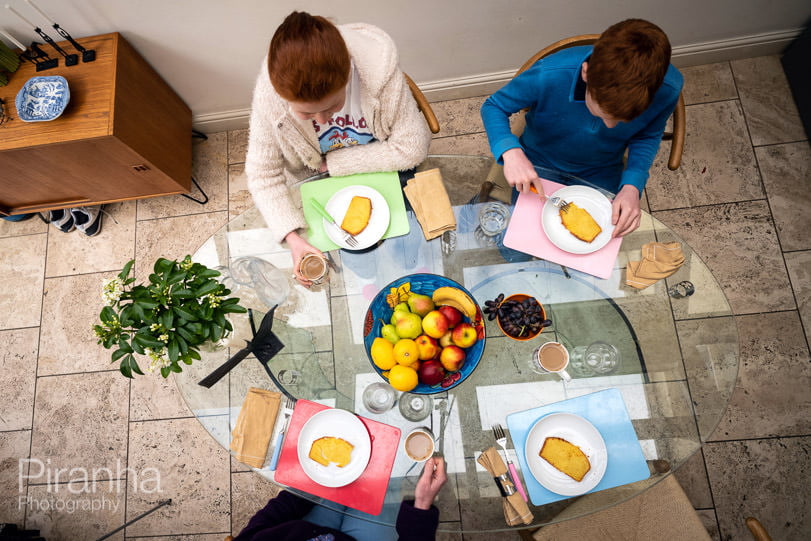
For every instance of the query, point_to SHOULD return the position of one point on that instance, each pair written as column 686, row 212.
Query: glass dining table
column 676, row 341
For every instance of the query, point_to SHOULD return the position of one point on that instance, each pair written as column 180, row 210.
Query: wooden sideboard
column 125, row 134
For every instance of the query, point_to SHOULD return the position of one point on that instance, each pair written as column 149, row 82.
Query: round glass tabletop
column 668, row 352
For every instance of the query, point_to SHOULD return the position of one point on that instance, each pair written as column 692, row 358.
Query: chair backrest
column 423, row 105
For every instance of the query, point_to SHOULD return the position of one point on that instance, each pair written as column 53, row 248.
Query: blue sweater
column 561, row 134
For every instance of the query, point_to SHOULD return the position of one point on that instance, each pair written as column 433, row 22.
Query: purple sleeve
column 283, row 508
column 416, row 524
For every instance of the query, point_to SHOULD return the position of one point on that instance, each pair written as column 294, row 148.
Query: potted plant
column 167, row 319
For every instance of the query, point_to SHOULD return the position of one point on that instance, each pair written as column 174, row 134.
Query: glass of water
column 415, row 407
column 493, row 218
column 379, row 397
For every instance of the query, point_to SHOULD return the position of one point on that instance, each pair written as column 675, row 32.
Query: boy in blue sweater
column 587, row 105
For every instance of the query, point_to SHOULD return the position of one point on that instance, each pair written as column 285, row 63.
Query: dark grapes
column 520, row 319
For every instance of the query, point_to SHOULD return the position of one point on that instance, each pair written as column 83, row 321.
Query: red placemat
column 525, row 234
column 368, row 491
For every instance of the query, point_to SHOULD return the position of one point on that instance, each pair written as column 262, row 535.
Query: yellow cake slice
column 328, row 449
column 580, row 223
column 357, row 215
column 565, row 457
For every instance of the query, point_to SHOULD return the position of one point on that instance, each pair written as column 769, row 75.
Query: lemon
column 383, row 353
column 406, row 352
column 403, row 378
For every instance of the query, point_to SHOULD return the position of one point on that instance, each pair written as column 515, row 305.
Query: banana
column 452, row 296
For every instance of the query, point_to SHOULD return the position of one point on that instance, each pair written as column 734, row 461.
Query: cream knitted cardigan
column 282, row 149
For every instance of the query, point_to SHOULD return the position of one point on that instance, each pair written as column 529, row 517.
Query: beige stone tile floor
column 740, row 200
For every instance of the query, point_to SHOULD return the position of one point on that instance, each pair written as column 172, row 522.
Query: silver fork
column 559, row 203
column 289, row 404
column 501, row 439
column 349, row 238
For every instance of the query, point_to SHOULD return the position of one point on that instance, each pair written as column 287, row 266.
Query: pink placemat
column 525, row 234
column 368, row 492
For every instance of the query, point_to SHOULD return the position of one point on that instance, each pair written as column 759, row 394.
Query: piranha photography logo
column 68, row 490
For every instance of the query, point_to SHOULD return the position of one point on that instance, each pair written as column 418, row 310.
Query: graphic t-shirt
column 348, row 126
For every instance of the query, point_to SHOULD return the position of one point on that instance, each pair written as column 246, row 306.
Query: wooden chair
column 423, row 105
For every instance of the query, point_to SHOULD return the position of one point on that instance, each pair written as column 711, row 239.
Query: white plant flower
column 111, row 291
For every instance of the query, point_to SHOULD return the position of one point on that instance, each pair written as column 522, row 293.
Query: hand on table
column 298, row 249
column 625, row 212
column 519, row 171
column 430, row 482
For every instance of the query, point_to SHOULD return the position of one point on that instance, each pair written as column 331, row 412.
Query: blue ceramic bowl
column 42, row 98
column 425, row 284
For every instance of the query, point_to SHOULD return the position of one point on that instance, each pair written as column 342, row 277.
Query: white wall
column 210, row 50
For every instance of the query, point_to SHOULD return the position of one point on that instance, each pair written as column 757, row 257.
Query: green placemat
column 388, row 184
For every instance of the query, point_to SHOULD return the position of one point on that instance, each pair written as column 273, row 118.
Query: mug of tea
column 313, row 267
column 551, row 358
column 419, row 444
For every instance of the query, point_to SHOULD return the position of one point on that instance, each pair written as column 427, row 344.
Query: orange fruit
column 383, row 353
column 403, row 378
column 406, row 352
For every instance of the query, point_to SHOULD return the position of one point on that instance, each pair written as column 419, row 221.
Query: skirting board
column 486, row 83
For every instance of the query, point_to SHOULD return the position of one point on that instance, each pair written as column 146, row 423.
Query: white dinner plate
column 339, row 424
column 576, row 430
column 595, row 203
column 378, row 221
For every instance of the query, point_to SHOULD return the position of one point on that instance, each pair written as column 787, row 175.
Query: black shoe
column 60, row 219
column 87, row 219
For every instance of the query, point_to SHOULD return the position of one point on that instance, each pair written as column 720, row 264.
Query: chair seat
column 661, row 512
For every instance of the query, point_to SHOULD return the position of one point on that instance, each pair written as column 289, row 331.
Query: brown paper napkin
column 516, row 510
column 432, row 206
column 251, row 435
column 659, row 260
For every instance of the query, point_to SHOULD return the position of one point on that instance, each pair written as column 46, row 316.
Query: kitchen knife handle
column 322, row 211
column 517, row 481
column 274, row 460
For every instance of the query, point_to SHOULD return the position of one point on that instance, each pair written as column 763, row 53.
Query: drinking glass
column 493, row 218
column 598, row 359
column 379, row 397
column 415, row 407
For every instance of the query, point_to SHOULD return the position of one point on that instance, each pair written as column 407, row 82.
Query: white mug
column 551, row 358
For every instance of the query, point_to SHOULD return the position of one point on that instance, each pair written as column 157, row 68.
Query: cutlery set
column 501, row 440
column 348, row 237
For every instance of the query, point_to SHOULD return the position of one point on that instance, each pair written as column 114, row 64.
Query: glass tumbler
column 379, row 397
column 493, row 218
column 415, row 407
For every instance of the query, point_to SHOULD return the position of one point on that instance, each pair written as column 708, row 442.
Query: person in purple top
column 288, row 517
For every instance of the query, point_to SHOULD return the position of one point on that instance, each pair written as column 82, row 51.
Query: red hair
column 627, row 67
column 308, row 59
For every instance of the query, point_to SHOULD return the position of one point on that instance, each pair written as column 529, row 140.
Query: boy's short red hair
column 308, row 59
column 627, row 67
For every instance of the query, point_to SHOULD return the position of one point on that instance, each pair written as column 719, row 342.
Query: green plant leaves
column 180, row 307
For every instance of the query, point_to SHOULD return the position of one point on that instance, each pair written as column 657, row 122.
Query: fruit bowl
column 379, row 313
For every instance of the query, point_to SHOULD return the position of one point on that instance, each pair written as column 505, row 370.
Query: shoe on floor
column 87, row 219
column 60, row 219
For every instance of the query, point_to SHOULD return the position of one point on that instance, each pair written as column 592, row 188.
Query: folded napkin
column 251, row 435
column 659, row 260
column 431, row 204
column 516, row 510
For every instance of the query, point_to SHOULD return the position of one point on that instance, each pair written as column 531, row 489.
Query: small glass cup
column 682, row 289
column 415, row 407
column 314, row 267
column 598, row 359
column 493, row 218
column 551, row 358
column 289, row 377
column 379, row 397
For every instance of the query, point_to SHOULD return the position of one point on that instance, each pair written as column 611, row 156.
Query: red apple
column 431, row 372
column 452, row 358
column 434, row 324
column 464, row 335
column 445, row 339
column 428, row 347
column 453, row 315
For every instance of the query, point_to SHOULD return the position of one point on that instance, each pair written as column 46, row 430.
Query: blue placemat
column 388, row 184
column 606, row 411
